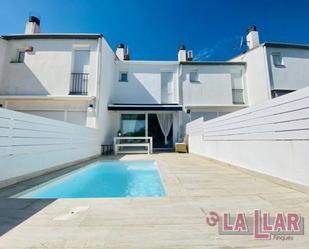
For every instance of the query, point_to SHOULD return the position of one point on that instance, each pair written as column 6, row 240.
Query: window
column 133, row 125
column 194, row 77
column 123, row 76
column 20, row 57
column 277, row 59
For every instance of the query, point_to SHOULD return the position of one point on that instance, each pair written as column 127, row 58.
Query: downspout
column 267, row 72
column 98, row 80
column 180, row 102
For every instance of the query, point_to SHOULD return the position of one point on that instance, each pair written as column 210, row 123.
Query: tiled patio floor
column 194, row 186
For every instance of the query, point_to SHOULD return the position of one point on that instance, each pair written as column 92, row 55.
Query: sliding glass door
column 155, row 131
column 141, row 125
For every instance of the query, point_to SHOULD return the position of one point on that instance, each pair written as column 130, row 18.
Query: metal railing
column 238, row 96
column 79, row 84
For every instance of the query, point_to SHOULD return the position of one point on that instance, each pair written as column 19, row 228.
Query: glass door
column 154, row 131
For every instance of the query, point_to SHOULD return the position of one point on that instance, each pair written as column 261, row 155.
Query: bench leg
column 116, row 150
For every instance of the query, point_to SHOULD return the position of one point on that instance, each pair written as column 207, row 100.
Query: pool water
column 103, row 179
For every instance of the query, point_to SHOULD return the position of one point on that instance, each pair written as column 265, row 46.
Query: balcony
column 238, row 96
column 79, row 84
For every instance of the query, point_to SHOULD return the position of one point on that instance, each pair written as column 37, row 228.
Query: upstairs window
column 277, row 60
column 123, row 77
column 194, row 77
column 19, row 57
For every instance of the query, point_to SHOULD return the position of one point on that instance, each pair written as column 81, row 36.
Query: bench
column 106, row 149
column 147, row 145
column 132, row 145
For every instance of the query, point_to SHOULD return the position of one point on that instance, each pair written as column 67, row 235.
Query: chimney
column 189, row 55
column 253, row 40
column 122, row 52
column 33, row 25
column 182, row 55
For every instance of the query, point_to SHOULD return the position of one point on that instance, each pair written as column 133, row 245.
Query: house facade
column 78, row 78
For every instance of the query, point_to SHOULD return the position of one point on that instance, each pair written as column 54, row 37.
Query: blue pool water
column 103, row 179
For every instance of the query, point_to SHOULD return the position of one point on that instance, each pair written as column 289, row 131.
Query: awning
column 144, row 107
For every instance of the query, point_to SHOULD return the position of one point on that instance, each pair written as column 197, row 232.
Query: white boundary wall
column 31, row 145
column 271, row 138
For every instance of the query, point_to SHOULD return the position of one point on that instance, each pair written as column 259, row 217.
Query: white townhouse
column 50, row 75
column 273, row 68
column 78, row 78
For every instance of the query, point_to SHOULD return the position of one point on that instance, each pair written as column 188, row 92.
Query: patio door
column 157, row 135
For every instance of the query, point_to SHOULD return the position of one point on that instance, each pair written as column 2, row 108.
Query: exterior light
column 119, row 134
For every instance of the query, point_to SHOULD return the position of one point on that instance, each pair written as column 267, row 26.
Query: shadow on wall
column 22, row 83
column 134, row 92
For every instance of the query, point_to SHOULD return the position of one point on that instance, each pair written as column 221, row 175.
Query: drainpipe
column 98, row 80
column 180, row 102
column 267, row 72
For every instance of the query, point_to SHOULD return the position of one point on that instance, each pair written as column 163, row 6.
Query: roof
column 143, row 62
column 47, row 97
column 144, row 107
column 275, row 45
column 51, row 36
column 215, row 63
column 285, row 45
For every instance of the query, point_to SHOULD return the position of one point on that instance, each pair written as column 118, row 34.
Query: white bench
column 147, row 145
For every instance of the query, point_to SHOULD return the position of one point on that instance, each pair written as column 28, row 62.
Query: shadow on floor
column 14, row 211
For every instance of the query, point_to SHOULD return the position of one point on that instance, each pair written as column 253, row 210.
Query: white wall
column 30, row 144
column 144, row 82
column 257, row 76
column 214, row 86
column 47, row 70
column 294, row 74
column 271, row 138
column 72, row 110
column 3, row 45
column 107, row 75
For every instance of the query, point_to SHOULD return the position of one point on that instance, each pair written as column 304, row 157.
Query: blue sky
column 154, row 29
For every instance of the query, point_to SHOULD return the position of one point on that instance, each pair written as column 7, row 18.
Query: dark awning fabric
column 144, row 107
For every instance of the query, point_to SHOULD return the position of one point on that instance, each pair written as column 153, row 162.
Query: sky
column 153, row 30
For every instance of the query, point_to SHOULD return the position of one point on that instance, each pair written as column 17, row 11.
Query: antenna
column 242, row 43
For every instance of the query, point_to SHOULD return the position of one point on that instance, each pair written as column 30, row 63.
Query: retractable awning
column 144, row 107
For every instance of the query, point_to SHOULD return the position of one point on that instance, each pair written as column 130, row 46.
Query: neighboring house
column 273, row 69
column 51, row 75
column 78, row 78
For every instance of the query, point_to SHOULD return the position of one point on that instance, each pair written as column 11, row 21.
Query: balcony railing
column 79, row 84
column 238, row 96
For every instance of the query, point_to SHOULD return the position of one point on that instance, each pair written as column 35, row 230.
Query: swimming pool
column 103, row 179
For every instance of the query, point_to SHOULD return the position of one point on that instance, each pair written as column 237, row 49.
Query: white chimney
column 182, row 54
column 253, row 40
column 33, row 25
column 122, row 52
